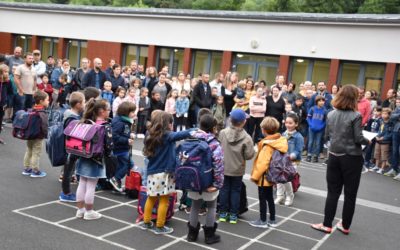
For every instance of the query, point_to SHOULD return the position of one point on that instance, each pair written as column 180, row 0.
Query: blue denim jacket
column 295, row 143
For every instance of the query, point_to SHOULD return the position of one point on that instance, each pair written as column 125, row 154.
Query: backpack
column 281, row 168
column 56, row 115
column 133, row 182
column 142, row 202
column 27, row 125
column 84, row 139
column 193, row 165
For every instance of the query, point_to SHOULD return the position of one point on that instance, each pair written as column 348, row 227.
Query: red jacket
column 364, row 107
column 48, row 89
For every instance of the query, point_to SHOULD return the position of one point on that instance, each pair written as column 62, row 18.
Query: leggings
column 210, row 217
column 69, row 169
column 265, row 194
column 86, row 189
column 161, row 211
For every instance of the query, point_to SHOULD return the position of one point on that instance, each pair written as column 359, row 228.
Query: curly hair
column 160, row 124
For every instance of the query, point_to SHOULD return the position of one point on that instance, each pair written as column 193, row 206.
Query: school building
column 338, row 48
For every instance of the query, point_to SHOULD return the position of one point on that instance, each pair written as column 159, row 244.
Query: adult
column 275, row 105
column 279, row 82
column 229, row 91
column 25, row 80
column 390, row 102
column 140, row 72
column 395, row 119
column 334, row 90
column 218, row 82
column 151, row 79
column 373, row 103
column 116, row 78
column 16, row 58
column 306, row 86
column 95, row 77
column 80, row 73
column 181, row 83
column 165, row 70
column 109, row 69
column 50, row 65
column 345, row 160
column 57, row 72
column 322, row 92
column 162, row 87
column 202, row 94
column 133, row 65
column 38, row 65
column 364, row 107
column 290, row 95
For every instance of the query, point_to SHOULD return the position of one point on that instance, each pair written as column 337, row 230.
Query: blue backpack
column 27, row 125
column 57, row 115
column 281, row 168
column 194, row 170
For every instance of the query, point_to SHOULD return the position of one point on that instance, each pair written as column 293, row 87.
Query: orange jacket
column 266, row 148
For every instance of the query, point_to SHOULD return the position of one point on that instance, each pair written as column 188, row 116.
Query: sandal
column 322, row 228
column 340, row 227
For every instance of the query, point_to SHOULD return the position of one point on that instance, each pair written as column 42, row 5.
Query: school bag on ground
column 133, row 182
column 142, row 202
column 27, row 125
column 281, row 168
column 296, row 182
column 84, row 139
column 193, row 166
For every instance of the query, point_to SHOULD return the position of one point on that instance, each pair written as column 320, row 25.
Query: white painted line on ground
column 313, row 169
column 35, row 206
column 322, row 241
column 116, row 231
column 171, row 243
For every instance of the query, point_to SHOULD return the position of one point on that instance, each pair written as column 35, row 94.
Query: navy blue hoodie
column 121, row 132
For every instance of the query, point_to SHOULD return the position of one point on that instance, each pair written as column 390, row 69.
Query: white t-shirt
column 28, row 78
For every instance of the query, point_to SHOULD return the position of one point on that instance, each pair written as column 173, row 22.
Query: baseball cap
column 238, row 115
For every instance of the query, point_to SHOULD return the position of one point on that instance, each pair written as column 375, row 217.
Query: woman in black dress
column 275, row 105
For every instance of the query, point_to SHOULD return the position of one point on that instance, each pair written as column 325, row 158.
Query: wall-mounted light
column 175, row 50
column 239, row 55
column 300, row 60
column 23, row 37
column 254, row 44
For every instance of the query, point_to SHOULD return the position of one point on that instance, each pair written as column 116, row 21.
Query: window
column 369, row 76
column 76, row 50
column 313, row 70
column 206, row 62
column 173, row 58
column 260, row 67
column 23, row 41
column 48, row 47
column 134, row 52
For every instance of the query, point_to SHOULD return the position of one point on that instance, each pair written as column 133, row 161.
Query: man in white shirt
column 25, row 80
column 38, row 65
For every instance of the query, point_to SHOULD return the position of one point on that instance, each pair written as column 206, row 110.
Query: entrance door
column 258, row 70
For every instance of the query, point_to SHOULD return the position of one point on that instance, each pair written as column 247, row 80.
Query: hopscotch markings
column 322, row 241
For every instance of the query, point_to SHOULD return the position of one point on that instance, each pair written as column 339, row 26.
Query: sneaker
column 380, row 171
column 279, row 200
column 289, row 200
column 146, row 226
column 116, row 184
column 397, row 177
column 163, row 230
column 2, row 141
column 315, row 159
column 325, row 163
column 67, row 197
column 187, row 210
column 374, row 169
column 390, row 173
column 272, row 223
column 27, row 171
column 202, row 211
column 80, row 213
column 91, row 215
column 308, row 159
column 233, row 218
column 60, row 178
column 259, row 223
column 321, row 156
column 322, row 228
column 38, row 174
column 340, row 227
column 223, row 217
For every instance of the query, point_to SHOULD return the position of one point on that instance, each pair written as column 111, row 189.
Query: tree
column 258, row 5
column 217, row 4
column 323, row 6
column 380, row 7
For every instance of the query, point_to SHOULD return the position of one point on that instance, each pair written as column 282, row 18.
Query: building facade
column 336, row 48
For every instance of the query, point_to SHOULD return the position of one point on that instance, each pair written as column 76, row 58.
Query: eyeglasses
column 36, row 54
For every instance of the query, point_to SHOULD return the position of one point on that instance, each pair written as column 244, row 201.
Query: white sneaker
column 390, row 173
column 289, row 200
column 380, row 171
column 279, row 200
column 374, row 169
column 80, row 214
column 91, row 215
column 397, row 177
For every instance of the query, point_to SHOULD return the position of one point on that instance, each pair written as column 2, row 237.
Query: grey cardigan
column 343, row 129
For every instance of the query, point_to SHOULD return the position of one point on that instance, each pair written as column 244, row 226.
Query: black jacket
column 121, row 132
column 89, row 80
column 201, row 98
column 116, row 82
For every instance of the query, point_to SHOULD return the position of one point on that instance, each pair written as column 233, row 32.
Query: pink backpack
column 84, row 139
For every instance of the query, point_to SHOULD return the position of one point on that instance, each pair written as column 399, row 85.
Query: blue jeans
column 229, row 196
column 26, row 101
column 125, row 163
column 395, row 150
column 314, row 142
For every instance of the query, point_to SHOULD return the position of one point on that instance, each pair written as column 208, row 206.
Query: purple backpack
column 84, row 139
column 281, row 169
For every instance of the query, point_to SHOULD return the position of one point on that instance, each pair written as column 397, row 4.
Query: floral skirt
column 160, row 184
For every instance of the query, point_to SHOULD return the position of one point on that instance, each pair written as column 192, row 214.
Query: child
column 156, row 103
column 136, row 85
column 316, row 121
column 214, row 95
column 182, row 110
column 77, row 103
column 240, row 97
column 12, row 97
column 90, row 170
column 159, row 148
column 219, row 113
column 34, row 146
column 372, row 126
column 383, row 141
column 288, row 110
column 144, row 112
column 208, row 128
column 258, row 106
column 295, row 144
column 46, row 87
column 107, row 93
column 272, row 141
column 238, row 148
column 300, row 110
column 120, row 93
column 123, row 140
column 5, row 90
column 65, row 90
column 131, row 97
column 170, row 104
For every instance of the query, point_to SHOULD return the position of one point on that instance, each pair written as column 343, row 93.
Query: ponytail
column 93, row 107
